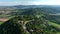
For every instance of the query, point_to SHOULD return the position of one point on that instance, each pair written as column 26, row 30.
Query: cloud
column 7, row 3
column 50, row 2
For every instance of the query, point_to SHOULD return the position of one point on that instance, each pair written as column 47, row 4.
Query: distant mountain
column 30, row 6
column 45, row 8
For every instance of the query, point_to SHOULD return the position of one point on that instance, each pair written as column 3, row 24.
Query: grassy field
column 58, row 33
column 1, row 23
column 54, row 25
column 38, row 16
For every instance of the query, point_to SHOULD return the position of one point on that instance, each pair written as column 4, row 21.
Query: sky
column 29, row 2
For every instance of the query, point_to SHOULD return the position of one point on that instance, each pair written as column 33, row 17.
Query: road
column 24, row 26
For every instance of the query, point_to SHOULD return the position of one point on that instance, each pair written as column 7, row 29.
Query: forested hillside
column 30, row 21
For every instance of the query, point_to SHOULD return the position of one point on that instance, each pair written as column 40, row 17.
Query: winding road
column 24, row 26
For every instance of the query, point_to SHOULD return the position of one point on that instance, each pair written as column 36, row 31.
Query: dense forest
column 31, row 21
